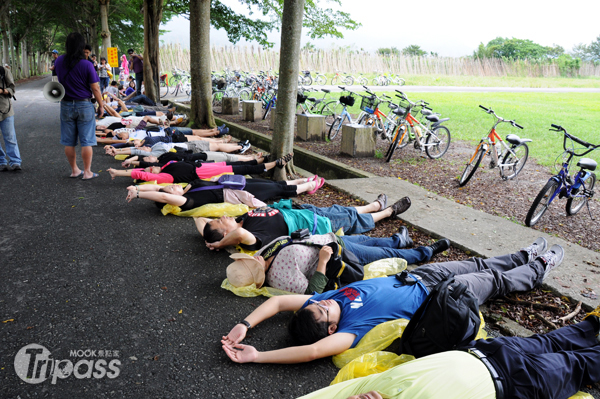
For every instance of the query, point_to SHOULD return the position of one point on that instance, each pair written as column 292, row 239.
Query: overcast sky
column 450, row 28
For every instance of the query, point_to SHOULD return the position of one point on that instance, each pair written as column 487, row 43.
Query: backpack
column 232, row 182
column 447, row 318
column 343, row 267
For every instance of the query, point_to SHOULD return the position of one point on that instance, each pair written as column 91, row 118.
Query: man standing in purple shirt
column 77, row 120
column 137, row 64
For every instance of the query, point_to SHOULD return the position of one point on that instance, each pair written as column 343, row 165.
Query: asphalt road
column 83, row 270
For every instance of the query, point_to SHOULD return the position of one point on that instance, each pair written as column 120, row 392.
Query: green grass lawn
column 579, row 113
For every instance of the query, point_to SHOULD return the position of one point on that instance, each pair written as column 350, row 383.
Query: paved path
column 422, row 89
column 80, row 269
column 483, row 234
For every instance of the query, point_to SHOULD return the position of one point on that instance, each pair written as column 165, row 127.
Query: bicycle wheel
column 514, row 163
column 335, row 128
column 472, row 165
column 328, row 110
column 217, row 102
column 308, row 80
column 321, row 80
column 437, row 142
column 375, row 81
column 405, row 139
column 349, row 80
column 400, row 133
column 367, row 120
column 363, row 81
column 580, row 198
column 172, row 83
column 541, row 202
column 334, row 80
column 245, row 95
column 163, row 89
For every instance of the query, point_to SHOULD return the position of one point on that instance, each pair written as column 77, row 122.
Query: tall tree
column 153, row 10
column 289, row 67
column 201, row 115
column 105, row 34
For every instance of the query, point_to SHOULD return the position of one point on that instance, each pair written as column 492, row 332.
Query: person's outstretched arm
column 237, row 236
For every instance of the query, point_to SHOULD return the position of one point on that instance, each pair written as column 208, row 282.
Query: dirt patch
column 486, row 191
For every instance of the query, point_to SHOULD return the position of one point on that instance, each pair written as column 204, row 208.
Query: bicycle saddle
column 393, row 106
column 432, row 118
column 587, row 163
column 514, row 139
column 426, row 112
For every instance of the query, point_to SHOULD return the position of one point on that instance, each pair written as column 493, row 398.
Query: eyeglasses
column 325, row 308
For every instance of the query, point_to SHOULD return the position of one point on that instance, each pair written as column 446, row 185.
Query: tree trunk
column 24, row 59
column 202, row 115
column 105, row 34
column 289, row 66
column 11, row 45
column 152, row 17
column 5, row 47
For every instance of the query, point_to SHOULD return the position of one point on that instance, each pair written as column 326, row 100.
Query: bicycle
column 432, row 138
column 320, row 79
column 305, row 79
column 316, row 106
column 578, row 190
column 163, row 85
column 336, row 125
column 344, row 79
column 515, row 156
column 385, row 125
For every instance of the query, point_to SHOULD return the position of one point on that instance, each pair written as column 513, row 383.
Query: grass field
column 579, row 113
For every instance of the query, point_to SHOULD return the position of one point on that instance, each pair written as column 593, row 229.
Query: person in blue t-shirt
column 328, row 324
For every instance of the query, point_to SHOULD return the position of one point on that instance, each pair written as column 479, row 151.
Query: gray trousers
column 487, row 278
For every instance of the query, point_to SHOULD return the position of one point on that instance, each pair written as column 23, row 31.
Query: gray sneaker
column 5, row 168
column 534, row 250
column 552, row 258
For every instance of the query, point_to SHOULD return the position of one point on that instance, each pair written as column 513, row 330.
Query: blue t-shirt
column 77, row 81
column 129, row 91
column 367, row 303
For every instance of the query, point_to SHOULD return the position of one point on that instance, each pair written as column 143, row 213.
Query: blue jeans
column 346, row 218
column 141, row 99
column 7, row 126
column 369, row 249
column 104, row 82
column 77, row 121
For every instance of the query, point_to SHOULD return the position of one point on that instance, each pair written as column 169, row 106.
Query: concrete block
column 231, row 105
column 310, row 127
column 358, row 141
column 252, row 110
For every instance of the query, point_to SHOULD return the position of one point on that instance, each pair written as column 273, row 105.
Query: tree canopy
column 517, row 49
column 589, row 52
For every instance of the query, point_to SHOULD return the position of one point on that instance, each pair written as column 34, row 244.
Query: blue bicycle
column 270, row 103
column 345, row 101
column 577, row 190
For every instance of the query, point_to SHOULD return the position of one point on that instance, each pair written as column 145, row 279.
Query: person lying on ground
column 142, row 137
column 184, row 172
column 261, row 226
column 254, row 194
column 183, row 156
column 555, row 365
column 330, row 323
column 301, row 269
column 194, row 146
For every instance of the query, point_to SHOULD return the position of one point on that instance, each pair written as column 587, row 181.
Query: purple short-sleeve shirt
column 76, row 82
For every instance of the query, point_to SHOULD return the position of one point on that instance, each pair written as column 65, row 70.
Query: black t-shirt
column 54, row 70
column 266, row 224
column 196, row 199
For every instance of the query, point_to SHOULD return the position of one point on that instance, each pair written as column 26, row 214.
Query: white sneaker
column 552, row 258
column 534, row 250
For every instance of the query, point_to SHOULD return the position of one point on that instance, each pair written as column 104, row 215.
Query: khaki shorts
column 198, row 146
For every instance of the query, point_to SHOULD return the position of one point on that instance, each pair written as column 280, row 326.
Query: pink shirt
column 294, row 265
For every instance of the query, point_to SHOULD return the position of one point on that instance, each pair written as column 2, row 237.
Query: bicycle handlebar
column 517, row 125
column 587, row 145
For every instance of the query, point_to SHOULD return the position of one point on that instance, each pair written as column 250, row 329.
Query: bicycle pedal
column 563, row 193
column 493, row 164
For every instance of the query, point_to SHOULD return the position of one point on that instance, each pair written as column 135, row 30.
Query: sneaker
column 400, row 207
column 405, row 240
column 5, row 168
column 16, row 168
column 552, row 258
column 382, row 199
column 534, row 250
column 245, row 147
column 439, row 246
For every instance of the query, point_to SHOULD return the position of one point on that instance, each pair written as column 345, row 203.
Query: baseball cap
column 245, row 271
column 55, row 51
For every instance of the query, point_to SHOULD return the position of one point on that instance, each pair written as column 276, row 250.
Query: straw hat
column 245, row 271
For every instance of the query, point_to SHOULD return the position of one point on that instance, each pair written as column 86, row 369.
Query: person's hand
column 126, row 163
column 132, row 192
column 100, row 111
column 112, row 172
column 325, row 253
column 236, row 335
column 240, row 353
column 213, row 246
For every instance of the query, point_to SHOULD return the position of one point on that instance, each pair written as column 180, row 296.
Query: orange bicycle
column 515, row 156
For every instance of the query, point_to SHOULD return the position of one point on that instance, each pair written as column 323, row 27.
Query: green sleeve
column 316, row 284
